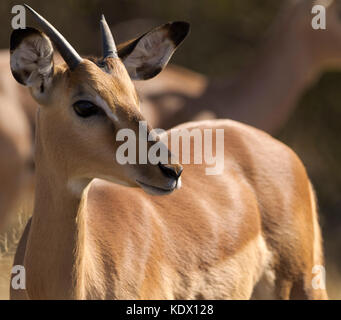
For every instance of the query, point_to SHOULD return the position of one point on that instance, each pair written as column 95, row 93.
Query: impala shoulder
column 245, row 141
column 232, row 129
column 260, row 150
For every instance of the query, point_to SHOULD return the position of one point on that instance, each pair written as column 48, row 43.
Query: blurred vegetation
column 224, row 36
column 224, row 33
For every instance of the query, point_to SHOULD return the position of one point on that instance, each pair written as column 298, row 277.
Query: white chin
column 178, row 183
column 154, row 190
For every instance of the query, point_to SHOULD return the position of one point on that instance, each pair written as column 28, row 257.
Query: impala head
column 85, row 102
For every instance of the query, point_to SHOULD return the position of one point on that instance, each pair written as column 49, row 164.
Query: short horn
column 69, row 54
column 108, row 43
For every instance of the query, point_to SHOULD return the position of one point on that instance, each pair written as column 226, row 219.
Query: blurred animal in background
column 266, row 92
column 263, row 95
column 15, row 140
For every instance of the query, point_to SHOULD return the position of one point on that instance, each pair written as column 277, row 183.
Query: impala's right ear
column 32, row 59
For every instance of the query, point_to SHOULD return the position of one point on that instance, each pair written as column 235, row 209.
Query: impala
column 98, row 232
column 264, row 94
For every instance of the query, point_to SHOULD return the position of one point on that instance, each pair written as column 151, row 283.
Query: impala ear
column 32, row 59
column 147, row 55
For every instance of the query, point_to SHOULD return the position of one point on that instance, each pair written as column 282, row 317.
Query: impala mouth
column 153, row 190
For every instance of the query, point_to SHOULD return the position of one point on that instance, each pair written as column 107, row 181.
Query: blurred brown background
column 225, row 35
column 224, row 32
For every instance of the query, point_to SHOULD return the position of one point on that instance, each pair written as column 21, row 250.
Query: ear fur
column 31, row 58
column 145, row 56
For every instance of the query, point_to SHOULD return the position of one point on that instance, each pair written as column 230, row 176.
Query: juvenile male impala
column 249, row 232
column 263, row 95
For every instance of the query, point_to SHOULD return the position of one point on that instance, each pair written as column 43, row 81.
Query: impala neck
column 55, row 247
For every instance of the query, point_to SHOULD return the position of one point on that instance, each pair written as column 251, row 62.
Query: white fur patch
column 34, row 55
column 179, row 183
column 103, row 104
column 154, row 49
column 77, row 186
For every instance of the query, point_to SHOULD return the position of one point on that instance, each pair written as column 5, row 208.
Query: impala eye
column 85, row 108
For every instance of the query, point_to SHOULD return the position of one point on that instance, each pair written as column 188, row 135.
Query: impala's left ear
column 147, row 55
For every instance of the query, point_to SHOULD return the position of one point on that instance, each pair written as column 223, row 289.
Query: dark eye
column 85, row 108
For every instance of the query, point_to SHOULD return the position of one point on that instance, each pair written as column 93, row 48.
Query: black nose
column 171, row 170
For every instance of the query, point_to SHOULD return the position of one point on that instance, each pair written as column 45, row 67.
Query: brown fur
column 183, row 245
column 219, row 237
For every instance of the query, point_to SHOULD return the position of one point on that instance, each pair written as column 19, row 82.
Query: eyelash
column 85, row 109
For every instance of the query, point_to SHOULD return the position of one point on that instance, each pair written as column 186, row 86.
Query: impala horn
column 108, row 43
column 69, row 54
